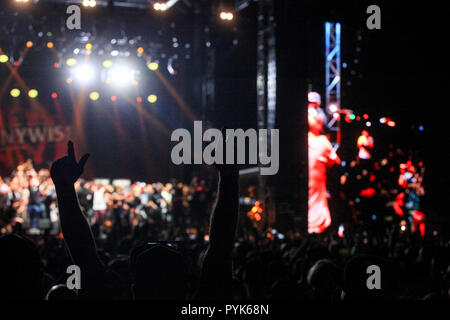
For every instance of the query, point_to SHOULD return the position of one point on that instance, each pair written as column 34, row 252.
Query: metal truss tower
column 333, row 77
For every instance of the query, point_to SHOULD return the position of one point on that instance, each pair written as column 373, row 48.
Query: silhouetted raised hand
column 217, row 266
column 75, row 228
column 66, row 171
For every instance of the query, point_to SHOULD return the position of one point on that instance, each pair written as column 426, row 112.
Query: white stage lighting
column 121, row 75
column 83, row 73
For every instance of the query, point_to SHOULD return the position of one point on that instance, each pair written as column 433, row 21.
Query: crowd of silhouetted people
column 183, row 241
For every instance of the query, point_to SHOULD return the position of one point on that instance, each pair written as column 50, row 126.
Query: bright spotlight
column 15, row 93
column 107, row 64
column 152, row 98
column 89, row 3
column 33, row 93
column 83, row 73
column 50, row 45
column 333, row 108
column 226, row 15
column 94, row 95
column 29, row 44
column 3, row 58
column 88, row 46
column 160, row 6
column 121, row 75
column 71, row 62
column 153, row 66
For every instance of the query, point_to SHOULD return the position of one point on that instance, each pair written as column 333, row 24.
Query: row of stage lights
column 94, row 95
column 157, row 6
column 350, row 116
column 120, row 74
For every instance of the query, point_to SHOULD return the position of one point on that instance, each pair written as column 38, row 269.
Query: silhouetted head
column 20, row 269
column 324, row 277
column 60, row 292
column 159, row 272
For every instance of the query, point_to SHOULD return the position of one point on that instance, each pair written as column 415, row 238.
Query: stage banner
column 31, row 134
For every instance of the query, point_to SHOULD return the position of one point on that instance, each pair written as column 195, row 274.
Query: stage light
column 33, row 93
column 333, row 108
column 54, row 95
column 159, row 6
column 226, row 15
column 29, row 44
column 15, row 93
column 153, row 66
column 121, row 75
column 421, row 128
column 352, row 116
column 140, row 50
column 391, row 123
column 113, row 98
column 71, row 62
column 69, row 80
column 107, row 64
column 366, row 116
column 56, row 65
column 368, row 123
column 88, row 46
column 89, row 3
column 50, row 45
column 139, row 99
column 3, row 58
column 383, row 120
column 94, row 95
column 84, row 73
column 135, row 83
column 152, row 98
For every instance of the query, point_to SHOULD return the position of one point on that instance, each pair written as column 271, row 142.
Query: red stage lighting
column 54, row 95
column 391, row 123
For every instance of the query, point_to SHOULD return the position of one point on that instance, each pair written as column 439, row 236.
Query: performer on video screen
column 320, row 156
column 365, row 142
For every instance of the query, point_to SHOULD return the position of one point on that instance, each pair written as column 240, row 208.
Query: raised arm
column 217, row 268
column 77, row 234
